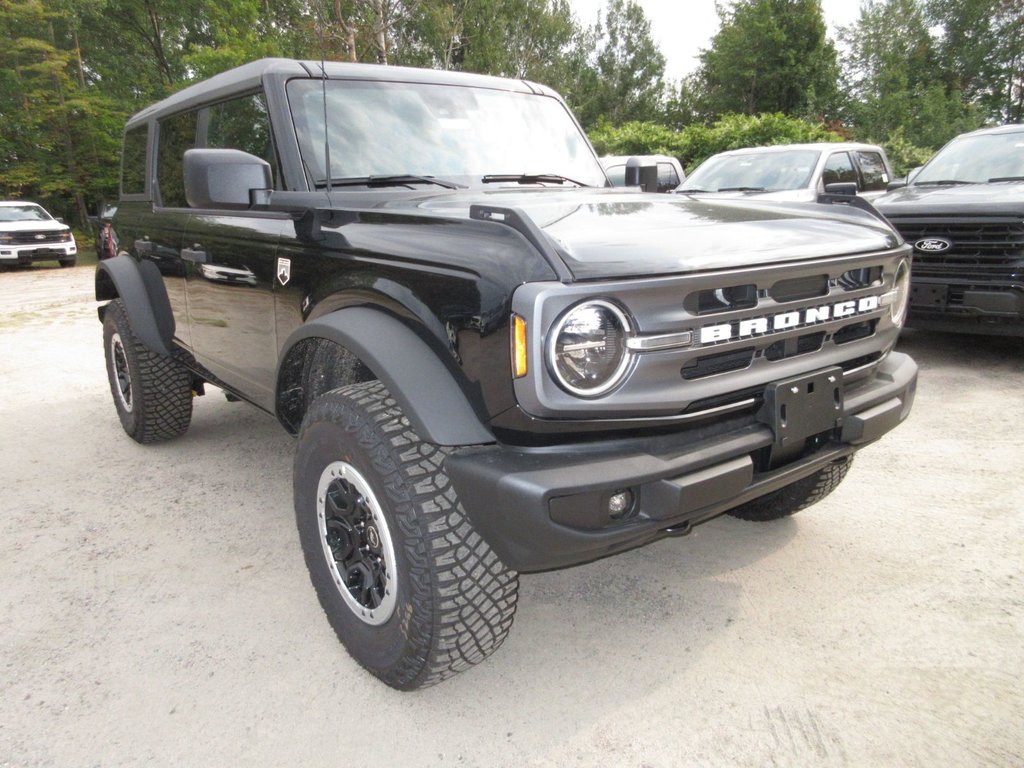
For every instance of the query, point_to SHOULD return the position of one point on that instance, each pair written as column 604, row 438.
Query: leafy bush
column 695, row 143
column 904, row 156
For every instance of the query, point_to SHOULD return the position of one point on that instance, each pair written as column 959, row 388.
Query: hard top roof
column 252, row 76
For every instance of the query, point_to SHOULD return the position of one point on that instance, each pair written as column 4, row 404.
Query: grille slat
column 986, row 249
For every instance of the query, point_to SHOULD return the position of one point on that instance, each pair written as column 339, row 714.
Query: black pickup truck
column 963, row 213
column 493, row 361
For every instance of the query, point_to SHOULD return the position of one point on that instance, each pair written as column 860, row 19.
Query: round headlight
column 587, row 348
column 901, row 287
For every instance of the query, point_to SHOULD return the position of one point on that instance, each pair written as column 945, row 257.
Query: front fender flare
column 140, row 286
column 417, row 378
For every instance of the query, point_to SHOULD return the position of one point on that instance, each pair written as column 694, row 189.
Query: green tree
column 58, row 131
column 623, row 79
column 894, row 78
column 770, row 56
column 981, row 51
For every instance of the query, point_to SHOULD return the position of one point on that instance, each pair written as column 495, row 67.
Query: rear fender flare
column 141, row 288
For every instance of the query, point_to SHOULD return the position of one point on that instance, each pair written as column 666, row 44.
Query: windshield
column 27, row 212
column 385, row 129
column 754, row 171
column 976, row 159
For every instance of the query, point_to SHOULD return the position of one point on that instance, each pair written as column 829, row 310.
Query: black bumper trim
column 512, row 493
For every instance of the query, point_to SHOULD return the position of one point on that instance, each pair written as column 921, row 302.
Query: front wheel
column 795, row 496
column 411, row 589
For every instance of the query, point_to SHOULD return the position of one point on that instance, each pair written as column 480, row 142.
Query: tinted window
column 839, row 169
column 872, row 169
column 424, row 129
column 177, row 134
column 242, row 124
column 667, row 176
column 616, row 175
column 133, row 161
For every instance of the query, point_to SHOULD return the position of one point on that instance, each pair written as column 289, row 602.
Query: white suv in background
column 28, row 234
column 797, row 172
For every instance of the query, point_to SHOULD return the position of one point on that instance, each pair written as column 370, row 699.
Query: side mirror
column 899, row 183
column 640, row 175
column 224, row 178
column 844, row 188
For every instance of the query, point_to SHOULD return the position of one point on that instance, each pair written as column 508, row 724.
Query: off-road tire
column 157, row 403
column 796, row 496
column 455, row 600
column 68, row 262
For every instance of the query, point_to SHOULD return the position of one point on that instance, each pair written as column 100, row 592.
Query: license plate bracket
column 803, row 406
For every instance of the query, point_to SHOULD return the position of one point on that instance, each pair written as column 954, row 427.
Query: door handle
column 196, row 255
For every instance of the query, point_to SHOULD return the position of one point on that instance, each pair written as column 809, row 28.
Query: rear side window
column 177, row 134
column 240, row 124
column 839, row 169
column 133, row 161
column 667, row 176
column 873, row 170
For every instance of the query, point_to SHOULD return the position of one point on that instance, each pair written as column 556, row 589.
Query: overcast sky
column 682, row 27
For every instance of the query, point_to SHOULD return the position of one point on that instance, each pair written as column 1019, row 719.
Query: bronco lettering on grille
column 759, row 326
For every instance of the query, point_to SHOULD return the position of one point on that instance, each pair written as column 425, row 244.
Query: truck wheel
column 70, row 262
column 152, row 393
column 795, row 496
column 411, row 589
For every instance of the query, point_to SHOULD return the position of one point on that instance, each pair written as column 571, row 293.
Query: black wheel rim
column 356, row 543
column 122, row 378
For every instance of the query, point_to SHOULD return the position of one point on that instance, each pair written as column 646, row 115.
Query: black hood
column 605, row 233
column 999, row 198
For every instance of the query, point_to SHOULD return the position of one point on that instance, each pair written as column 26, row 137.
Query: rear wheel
column 411, row 589
column 152, row 393
column 796, row 496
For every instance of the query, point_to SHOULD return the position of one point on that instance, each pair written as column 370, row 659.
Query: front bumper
column 27, row 254
column 544, row 508
column 948, row 305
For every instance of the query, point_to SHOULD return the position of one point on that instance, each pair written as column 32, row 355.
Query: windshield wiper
column 531, row 178
column 692, row 189
column 741, row 189
column 942, row 183
column 1005, row 178
column 397, row 180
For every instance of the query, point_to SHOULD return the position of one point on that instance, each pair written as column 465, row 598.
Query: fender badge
column 284, row 271
column 933, row 245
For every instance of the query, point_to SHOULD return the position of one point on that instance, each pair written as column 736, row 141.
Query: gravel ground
column 155, row 609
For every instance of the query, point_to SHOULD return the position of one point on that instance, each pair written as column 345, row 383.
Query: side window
column 241, row 124
column 873, row 170
column 133, row 161
column 616, row 175
column 667, row 176
column 839, row 169
column 177, row 134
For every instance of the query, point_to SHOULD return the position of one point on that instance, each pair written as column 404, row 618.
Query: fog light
column 619, row 503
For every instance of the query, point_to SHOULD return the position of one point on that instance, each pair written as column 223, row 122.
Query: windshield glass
column 26, row 212
column 384, row 129
column 761, row 171
column 976, row 159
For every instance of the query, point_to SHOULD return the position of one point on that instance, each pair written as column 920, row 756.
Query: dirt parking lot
column 155, row 609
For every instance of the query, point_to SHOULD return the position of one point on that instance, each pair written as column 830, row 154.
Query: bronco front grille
column 984, row 248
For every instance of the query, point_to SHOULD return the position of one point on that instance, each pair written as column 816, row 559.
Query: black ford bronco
column 494, row 362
